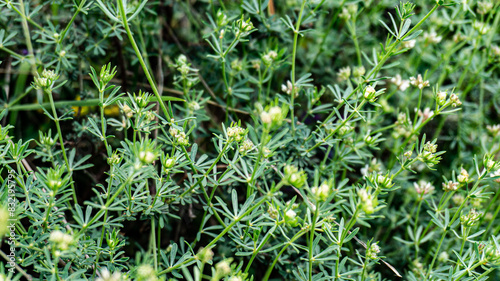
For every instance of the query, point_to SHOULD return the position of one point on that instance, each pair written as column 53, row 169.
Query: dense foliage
column 249, row 140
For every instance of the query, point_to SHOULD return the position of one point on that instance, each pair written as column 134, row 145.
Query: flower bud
column 146, row 272
column 223, row 268
column 463, row 177
column 450, row 186
column 205, row 255
column 372, row 251
column 61, row 240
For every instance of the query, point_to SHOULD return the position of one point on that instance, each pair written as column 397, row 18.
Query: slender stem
column 263, row 142
column 18, row 268
column 294, row 54
column 270, row 268
column 311, row 241
column 12, row 53
column 153, row 242
column 59, row 133
column 141, row 60
column 418, row 106
column 77, row 103
column 78, row 9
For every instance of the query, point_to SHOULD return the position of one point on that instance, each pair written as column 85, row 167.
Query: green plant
column 285, row 140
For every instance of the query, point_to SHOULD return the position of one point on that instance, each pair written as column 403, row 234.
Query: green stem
column 77, row 103
column 270, row 268
column 78, row 9
column 59, row 133
column 263, row 142
column 294, row 54
column 311, row 241
column 141, row 60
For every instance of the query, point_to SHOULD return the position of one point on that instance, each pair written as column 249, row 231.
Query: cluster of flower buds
column 129, row 112
column 494, row 130
column 272, row 212
column 236, row 65
column 114, row 159
column 496, row 175
column 368, row 201
column 463, row 177
column 289, row 89
column 222, row 269
column 205, row 255
column 484, row 7
column 294, row 177
column 179, row 136
column 221, row 18
column 142, row 99
column 372, row 140
column 423, row 187
column 45, row 80
column 426, row 114
column 471, row 218
column 343, row 130
column 441, row 97
column 358, row 71
column 350, row 11
column 236, row 133
column 481, row 27
column 381, row 181
column 419, row 82
column 269, row 58
column 450, row 186
column 372, row 251
column 344, row 73
column 490, row 164
column 106, row 275
column 168, row 162
column 370, row 93
column 322, row 192
column 409, row 44
column 61, row 240
column 291, row 218
column 246, row 146
column 428, row 155
column 107, row 73
column 46, row 140
column 273, row 117
column 454, row 100
column 491, row 253
column 54, row 179
column 400, row 83
column 245, row 27
column 431, row 37
column 147, row 152
column 145, row 272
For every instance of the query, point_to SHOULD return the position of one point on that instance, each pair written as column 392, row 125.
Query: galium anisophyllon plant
column 249, row 140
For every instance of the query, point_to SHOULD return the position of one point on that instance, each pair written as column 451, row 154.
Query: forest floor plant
column 249, row 140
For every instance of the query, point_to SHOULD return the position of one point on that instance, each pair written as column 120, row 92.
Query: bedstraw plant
column 249, row 140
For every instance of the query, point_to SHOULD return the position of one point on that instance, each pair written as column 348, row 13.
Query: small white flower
column 426, row 114
column 423, row 187
column 432, row 37
column 419, row 82
column 409, row 44
column 290, row 214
